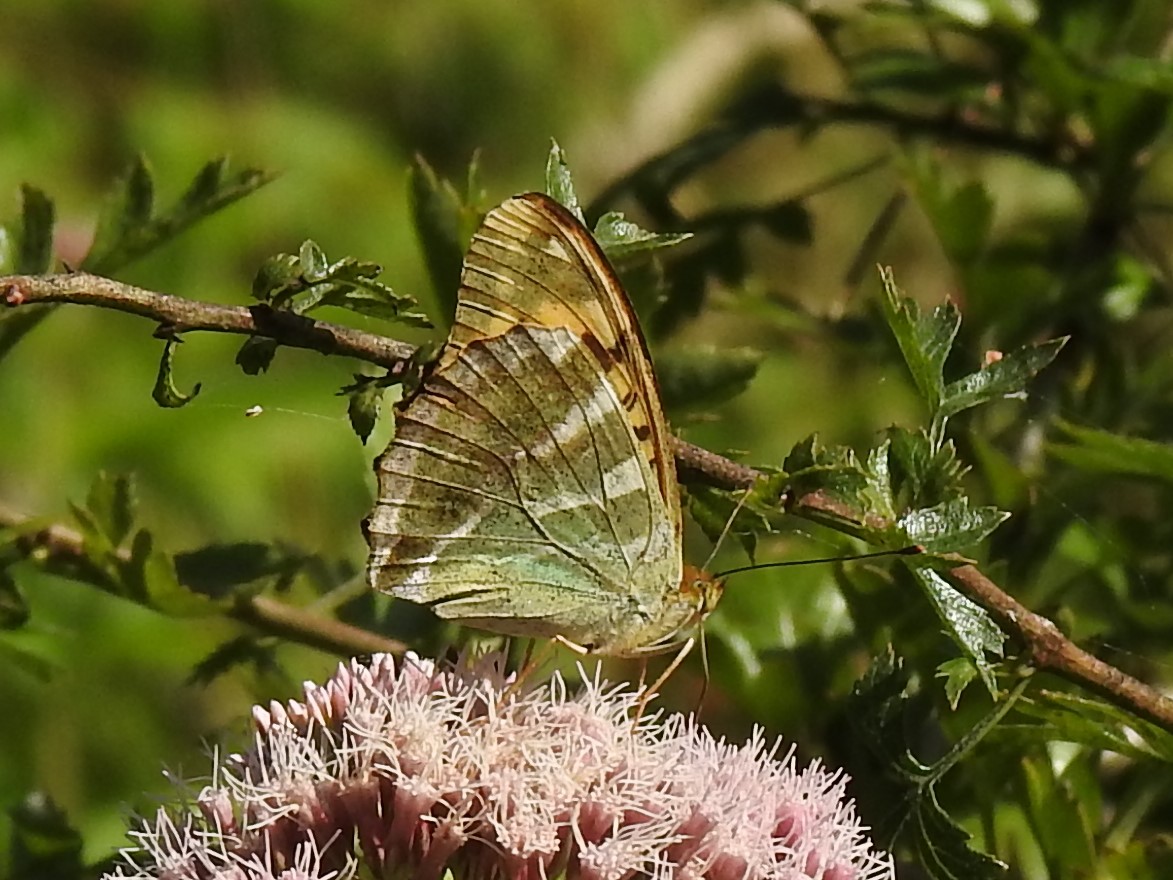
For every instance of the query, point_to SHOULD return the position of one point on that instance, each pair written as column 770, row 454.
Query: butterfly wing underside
column 529, row 489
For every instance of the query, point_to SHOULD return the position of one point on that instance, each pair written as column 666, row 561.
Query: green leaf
column 111, row 503
column 1075, row 718
column 256, row 354
column 879, row 710
column 150, row 578
column 444, row 224
column 1005, row 377
column 559, row 185
column 741, row 515
column 308, row 281
column 43, row 845
column 165, row 393
column 921, row 474
column 951, row 526
column 129, row 227
column 26, row 248
column 276, row 273
column 365, row 402
column 219, row 571
column 1099, row 451
column 34, row 253
column 969, row 625
column 924, row 340
column 957, row 672
column 621, row 239
column 703, row 376
column 129, row 206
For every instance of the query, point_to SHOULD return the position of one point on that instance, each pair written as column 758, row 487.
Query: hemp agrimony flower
column 406, row 768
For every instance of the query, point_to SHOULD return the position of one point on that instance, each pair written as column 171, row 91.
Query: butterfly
column 530, row 489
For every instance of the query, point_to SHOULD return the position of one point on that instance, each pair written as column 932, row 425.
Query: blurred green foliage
column 1012, row 155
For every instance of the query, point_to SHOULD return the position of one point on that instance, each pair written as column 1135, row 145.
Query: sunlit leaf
column 969, row 625
column 924, row 340
column 559, row 185
column 951, row 526
column 1004, row 377
column 621, row 239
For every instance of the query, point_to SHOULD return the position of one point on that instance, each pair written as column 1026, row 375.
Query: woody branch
column 1045, row 646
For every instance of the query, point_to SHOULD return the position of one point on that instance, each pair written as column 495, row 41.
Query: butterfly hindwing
column 529, row 488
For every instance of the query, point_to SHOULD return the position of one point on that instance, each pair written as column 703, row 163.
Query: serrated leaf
column 924, row 340
column 150, row 579
column 14, row 609
column 957, row 672
column 1104, row 452
column 34, row 253
column 219, row 571
column 132, row 231
column 165, row 393
column 559, row 185
column 951, row 526
column 969, row 625
column 704, row 376
column 621, row 239
column 878, row 709
column 26, row 248
column 921, row 474
column 256, row 354
column 944, row 846
column 111, row 503
column 257, row 654
column 364, row 404
column 1075, row 718
column 129, row 205
column 722, row 515
column 205, row 186
column 275, row 274
column 1004, row 377
column 313, row 261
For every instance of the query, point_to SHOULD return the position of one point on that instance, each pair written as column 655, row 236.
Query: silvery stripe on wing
column 489, row 273
column 442, row 454
column 413, row 587
column 507, row 244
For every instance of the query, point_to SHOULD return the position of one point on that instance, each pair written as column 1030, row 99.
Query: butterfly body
column 529, row 489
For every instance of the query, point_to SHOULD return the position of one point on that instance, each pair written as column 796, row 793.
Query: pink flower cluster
column 404, row 768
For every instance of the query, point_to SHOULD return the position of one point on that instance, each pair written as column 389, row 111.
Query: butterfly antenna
column 725, row 531
column 911, row 550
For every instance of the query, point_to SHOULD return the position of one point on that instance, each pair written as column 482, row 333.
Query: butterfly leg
column 650, row 692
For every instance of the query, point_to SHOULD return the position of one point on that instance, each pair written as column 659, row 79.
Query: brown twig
column 62, row 545
column 176, row 314
column 1047, row 647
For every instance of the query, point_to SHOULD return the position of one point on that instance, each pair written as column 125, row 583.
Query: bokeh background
column 338, row 98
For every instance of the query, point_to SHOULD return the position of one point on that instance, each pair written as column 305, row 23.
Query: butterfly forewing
column 533, row 262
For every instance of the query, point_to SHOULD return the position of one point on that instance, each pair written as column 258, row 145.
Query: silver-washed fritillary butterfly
column 530, row 489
